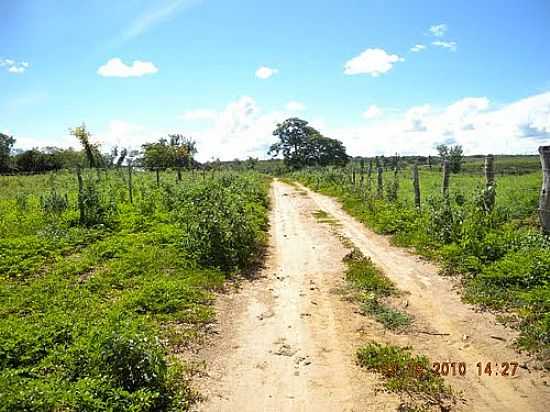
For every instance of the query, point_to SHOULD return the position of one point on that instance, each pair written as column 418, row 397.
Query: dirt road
column 287, row 339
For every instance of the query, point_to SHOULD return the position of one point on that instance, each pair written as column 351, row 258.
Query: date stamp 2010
column 482, row 368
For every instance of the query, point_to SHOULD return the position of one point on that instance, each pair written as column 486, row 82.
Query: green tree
column 301, row 145
column 454, row 154
column 456, row 158
column 6, row 144
column 176, row 152
column 443, row 151
column 91, row 150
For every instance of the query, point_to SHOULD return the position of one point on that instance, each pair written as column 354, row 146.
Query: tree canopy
column 176, row 151
column 302, row 145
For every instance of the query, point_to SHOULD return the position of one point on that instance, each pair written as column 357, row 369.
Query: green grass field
column 100, row 294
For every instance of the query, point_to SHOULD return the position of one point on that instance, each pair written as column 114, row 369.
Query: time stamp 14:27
column 481, row 368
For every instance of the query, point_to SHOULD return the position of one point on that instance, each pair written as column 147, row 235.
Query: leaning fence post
column 445, row 186
column 80, row 194
column 130, row 184
column 490, row 188
column 416, row 186
column 544, row 203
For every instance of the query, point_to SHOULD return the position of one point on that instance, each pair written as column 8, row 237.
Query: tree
column 91, row 150
column 6, row 144
column 443, row 151
column 456, row 158
column 454, row 154
column 301, row 145
column 176, row 152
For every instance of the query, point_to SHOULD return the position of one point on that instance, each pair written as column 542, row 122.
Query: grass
column 404, row 372
column 501, row 256
column 93, row 312
column 371, row 287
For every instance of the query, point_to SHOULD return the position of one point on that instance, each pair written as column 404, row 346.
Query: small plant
column 404, row 372
column 54, row 204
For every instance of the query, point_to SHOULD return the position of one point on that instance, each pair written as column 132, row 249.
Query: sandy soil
column 286, row 340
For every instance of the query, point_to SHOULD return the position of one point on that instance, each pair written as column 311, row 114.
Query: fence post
column 130, row 184
column 158, row 177
column 178, row 175
column 380, row 181
column 445, row 187
column 490, row 188
column 416, row 186
column 430, row 162
column 362, row 164
column 369, row 176
column 80, row 194
column 353, row 177
column 544, row 203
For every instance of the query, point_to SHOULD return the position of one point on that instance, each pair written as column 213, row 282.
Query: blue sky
column 225, row 72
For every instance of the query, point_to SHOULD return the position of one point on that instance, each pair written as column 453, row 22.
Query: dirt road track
column 287, row 340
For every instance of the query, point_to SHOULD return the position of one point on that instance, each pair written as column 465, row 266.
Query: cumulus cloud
column 265, row 72
column 294, row 106
column 438, row 30
column 372, row 61
column 117, row 68
column 417, row 48
column 13, row 66
column 451, row 45
column 518, row 127
column 373, row 112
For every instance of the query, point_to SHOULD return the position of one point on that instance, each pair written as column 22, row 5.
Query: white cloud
column 16, row 69
column 451, row 45
column 117, row 68
column 418, row 48
column 294, row 106
column 518, row 127
column 265, row 72
column 438, row 30
column 371, row 61
column 199, row 114
column 13, row 66
column 373, row 112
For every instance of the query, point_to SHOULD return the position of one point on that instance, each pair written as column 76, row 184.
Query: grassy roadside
column 92, row 320
column 503, row 260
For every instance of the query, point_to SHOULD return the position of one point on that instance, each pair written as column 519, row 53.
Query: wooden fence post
column 362, row 179
column 353, row 177
column 380, row 179
column 80, row 194
column 490, row 188
column 158, row 177
column 430, row 162
column 416, row 186
column 544, row 203
column 130, row 189
column 369, row 176
column 445, row 186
